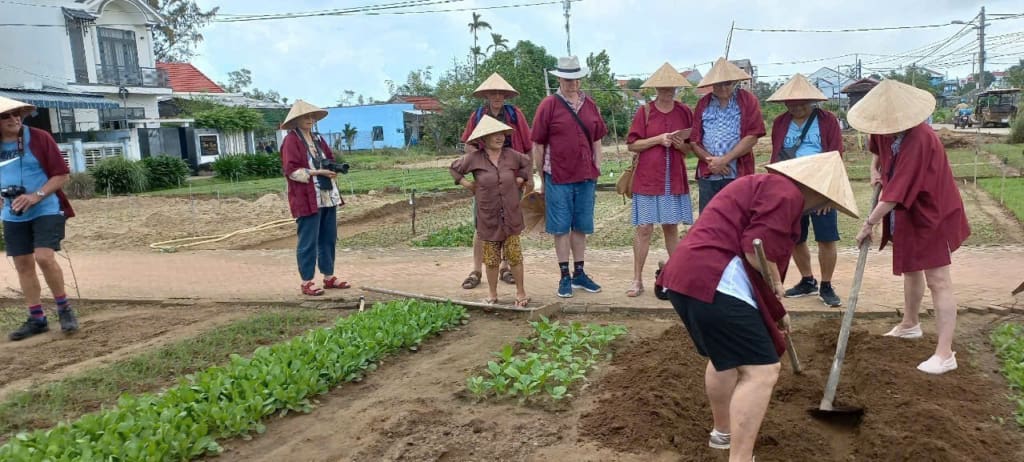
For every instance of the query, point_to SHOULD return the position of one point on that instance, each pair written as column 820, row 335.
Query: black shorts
column 24, row 237
column 728, row 331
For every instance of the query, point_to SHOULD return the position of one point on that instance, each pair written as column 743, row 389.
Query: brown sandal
column 334, row 283
column 472, row 280
column 507, row 276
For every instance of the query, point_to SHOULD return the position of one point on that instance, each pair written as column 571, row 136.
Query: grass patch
column 459, row 236
column 1008, row 340
column 1008, row 191
column 45, row 405
column 1010, row 154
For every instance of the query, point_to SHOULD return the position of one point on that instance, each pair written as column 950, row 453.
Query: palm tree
column 500, row 43
column 476, row 52
column 349, row 133
column 475, row 27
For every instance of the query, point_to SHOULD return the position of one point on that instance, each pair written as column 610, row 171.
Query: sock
column 62, row 302
column 826, row 284
column 577, row 268
column 36, row 312
column 563, row 267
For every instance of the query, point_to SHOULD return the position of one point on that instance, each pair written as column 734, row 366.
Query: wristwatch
column 40, row 193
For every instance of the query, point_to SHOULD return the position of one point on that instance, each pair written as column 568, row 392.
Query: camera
column 11, row 192
column 328, row 164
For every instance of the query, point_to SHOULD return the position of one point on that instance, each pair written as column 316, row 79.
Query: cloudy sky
column 317, row 58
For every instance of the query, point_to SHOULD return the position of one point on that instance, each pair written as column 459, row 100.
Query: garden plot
column 647, row 403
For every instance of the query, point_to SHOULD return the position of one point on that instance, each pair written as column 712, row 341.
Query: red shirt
column 764, row 206
column 649, row 174
column 294, row 155
column 572, row 154
column 51, row 161
column 520, row 137
column 831, row 134
column 929, row 215
column 751, row 124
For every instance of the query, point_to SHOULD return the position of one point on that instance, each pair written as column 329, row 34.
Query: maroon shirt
column 572, row 154
column 294, row 156
column 649, row 174
column 831, row 134
column 51, row 161
column 751, row 124
column 764, row 206
column 929, row 214
column 498, row 214
column 520, row 137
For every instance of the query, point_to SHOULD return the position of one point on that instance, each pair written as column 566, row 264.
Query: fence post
column 412, row 202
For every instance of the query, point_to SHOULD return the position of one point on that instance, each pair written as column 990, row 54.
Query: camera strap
column 316, row 161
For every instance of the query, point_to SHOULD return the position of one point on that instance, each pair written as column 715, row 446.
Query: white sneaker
column 911, row 332
column 936, row 365
column 719, row 440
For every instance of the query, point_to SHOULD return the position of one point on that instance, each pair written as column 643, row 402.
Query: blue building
column 395, row 124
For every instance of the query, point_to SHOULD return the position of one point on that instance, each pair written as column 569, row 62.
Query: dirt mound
column 653, row 399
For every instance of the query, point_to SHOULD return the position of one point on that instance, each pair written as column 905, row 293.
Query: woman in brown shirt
column 500, row 174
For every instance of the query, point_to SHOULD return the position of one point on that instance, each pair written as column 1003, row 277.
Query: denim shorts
column 826, row 227
column 569, row 207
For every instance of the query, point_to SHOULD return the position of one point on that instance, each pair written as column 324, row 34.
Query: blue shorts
column 826, row 227
column 569, row 207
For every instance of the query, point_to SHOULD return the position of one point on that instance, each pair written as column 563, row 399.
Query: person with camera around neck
column 34, row 210
column 313, row 196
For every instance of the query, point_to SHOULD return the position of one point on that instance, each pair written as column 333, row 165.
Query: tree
column 474, row 27
column 616, row 107
column 417, row 83
column 500, row 43
column 348, row 132
column 239, row 82
column 917, row 77
column 176, row 38
column 763, row 89
column 634, row 83
column 1015, row 75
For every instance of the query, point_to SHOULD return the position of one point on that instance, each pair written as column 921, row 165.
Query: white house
column 88, row 65
column 830, row 82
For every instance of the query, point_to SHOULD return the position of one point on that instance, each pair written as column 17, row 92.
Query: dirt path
column 269, row 275
column 647, row 405
column 115, row 333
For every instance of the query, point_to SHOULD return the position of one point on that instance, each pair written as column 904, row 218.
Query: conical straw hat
column 666, row 76
column 299, row 109
column 797, row 89
column 533, row 209
column 823, row 173
column 487, row 126
column 723, row 71
column 12, row 105
column 495, row 83
column 891, row 107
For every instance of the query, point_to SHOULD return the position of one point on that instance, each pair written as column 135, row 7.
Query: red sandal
column 333, row 283
column 308, row 288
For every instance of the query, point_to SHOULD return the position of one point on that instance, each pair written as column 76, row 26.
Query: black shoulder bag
column 790, row 153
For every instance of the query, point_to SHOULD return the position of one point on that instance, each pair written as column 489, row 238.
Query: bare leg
column 940, row 283
column 562, row 246
column 517, row 271
column 720, row 386
column 492, row 282
column 579, row 245
column 26, row 267
column 827, row 255
column 478, row 252
column 913, row 292
column 641, row 246
column 671, row 233
column 54, row 276
column 802, row 257
column 749, row 405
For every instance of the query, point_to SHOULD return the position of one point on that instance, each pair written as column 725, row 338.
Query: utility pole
column 981, row 49
column 728, row 39
column 568, row 45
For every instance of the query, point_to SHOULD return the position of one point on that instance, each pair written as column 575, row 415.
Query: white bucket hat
column 569, row 68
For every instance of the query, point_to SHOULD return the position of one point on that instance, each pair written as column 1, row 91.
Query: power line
column 331, row 12
column 872, row 29
column 376, row 13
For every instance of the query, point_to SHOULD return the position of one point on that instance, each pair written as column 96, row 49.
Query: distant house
column 396, row 123
column 857, row 89
column 749, row 68
column 830, row 82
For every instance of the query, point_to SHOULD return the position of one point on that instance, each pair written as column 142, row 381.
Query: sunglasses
column 8, row 115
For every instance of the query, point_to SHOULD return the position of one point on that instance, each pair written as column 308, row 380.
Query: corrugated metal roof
column 59, row 100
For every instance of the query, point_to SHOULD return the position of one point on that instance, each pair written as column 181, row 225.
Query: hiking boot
column 805, row 287
column 565, row 287
column 68, row 320
column 582, row 281
column 828, row 295
column 719, row 440
column 29, row 328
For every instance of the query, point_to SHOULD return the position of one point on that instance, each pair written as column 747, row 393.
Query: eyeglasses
column 8, row 115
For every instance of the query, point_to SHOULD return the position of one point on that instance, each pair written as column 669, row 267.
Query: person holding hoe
column 920, row 208
column 499, row 173
column 714, row 281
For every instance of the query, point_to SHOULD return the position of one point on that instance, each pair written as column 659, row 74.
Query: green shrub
column 80, row 185
column 459, row 236
column 165, row 171
column 1017, row 129
column 261, row 165
column 942, row 116
column 230, row 166
column 117, row 175
column 1008, row 340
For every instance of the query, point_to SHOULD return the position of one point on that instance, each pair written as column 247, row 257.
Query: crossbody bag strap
column 576, row 116
column 807, row 127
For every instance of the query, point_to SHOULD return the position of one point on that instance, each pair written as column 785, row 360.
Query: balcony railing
column 131, row 76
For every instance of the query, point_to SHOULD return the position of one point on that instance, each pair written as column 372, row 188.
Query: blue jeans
column 708, row 189
column 318, row 237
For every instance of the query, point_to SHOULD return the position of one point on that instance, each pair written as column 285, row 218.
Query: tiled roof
column 185, row 78
column 423, row 103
